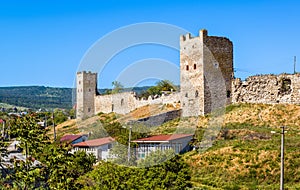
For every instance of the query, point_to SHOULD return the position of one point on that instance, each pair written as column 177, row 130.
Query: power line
column 295, row 60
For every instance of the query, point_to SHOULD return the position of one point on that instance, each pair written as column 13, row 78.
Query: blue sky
column 43, row 42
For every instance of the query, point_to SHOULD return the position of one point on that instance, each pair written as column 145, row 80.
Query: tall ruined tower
column 206, row 72
column 85, row 94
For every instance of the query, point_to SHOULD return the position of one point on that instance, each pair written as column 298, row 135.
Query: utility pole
column 8, row 131
column 129, row 139
column 3, row 130
column 295, row 59
column 54, row 131
column 282, row 160
column 45, row 124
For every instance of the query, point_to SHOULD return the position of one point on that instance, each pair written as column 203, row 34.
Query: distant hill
column 36, row 97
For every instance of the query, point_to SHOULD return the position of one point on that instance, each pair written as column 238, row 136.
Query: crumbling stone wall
column 269, row 89
column 125, row 102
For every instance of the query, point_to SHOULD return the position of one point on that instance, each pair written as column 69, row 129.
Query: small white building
column 178, row 142
column 99, row 147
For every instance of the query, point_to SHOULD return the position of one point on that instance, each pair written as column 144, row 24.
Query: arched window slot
column 195, row 66
column 286, row 86
column 228, row 93
column 186, row 95
column 196, row 94
column 122, row 102
column 187, row 67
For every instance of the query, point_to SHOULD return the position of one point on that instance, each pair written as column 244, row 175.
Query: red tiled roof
column 163, row 138
column 70, row 138
column 95, row 142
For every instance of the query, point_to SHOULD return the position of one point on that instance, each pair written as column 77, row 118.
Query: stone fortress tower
column 206, row 72
column 85, row 95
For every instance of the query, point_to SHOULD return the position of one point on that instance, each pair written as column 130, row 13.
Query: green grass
column 249, row 156
column 236, row 163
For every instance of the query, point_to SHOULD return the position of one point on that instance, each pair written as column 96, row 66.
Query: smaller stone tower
column 85, row 94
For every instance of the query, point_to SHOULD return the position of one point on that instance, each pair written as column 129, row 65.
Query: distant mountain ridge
column 37, row 97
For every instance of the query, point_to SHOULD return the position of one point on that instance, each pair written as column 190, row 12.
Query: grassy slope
column 248, row 157
column 73, row 127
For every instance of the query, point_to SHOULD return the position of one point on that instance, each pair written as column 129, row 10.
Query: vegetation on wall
column 158, row 89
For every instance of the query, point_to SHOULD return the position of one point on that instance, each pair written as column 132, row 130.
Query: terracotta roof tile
column 70, row 138
column 162, row 138
column 95, row 142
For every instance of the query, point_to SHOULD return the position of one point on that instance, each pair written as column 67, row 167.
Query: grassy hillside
column 245, row 154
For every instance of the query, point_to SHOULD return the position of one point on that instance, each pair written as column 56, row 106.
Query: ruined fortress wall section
column 121, row 103
column 125, row 102
column 86, row 84
column 269, row 89
column 172, row 98
column 191, row 76
column 218, row 71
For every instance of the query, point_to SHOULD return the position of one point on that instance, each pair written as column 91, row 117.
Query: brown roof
column 162, row 138
column 95, row 142
column 70, row 138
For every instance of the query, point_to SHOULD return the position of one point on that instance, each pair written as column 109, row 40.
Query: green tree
column 172, row 174
column 166, row 85
column 163, row 85
column 117, row 87
column 156, row 157
column 26, row 173
column 59, row 116
column 63, row 167
column 154, row 90
column 58, row 168
column 72, row 113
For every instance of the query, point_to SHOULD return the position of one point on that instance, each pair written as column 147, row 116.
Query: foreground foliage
column 56, row 168
column 173, row 174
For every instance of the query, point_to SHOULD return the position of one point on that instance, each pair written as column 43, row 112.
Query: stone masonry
column 86, row 93
column 206, row 71
column 269, row 89
column 206, row 83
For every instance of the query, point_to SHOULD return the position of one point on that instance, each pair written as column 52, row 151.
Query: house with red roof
column 178, row 142
column 73, row 139
column 99, row 147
